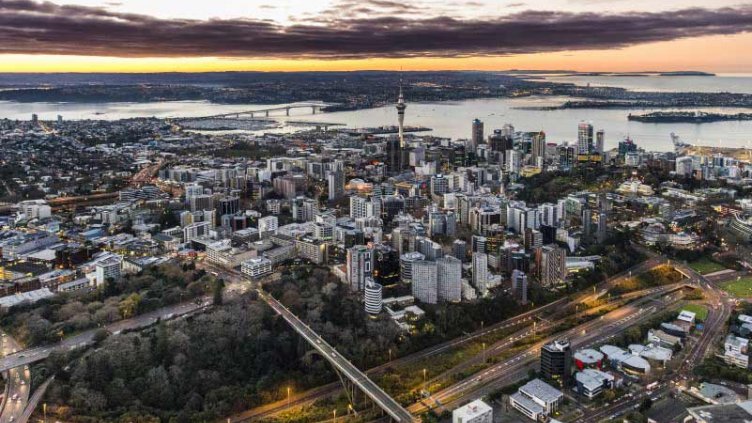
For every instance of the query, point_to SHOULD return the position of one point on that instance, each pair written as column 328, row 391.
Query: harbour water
column 453, row 119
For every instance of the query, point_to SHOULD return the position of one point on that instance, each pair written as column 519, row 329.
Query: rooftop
column 541, row 390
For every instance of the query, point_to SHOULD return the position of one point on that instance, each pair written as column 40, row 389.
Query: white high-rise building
column 480, row 272
column 519, row 286
column 406, row 265
column 268, row 225
column 449, row 279
column 373, row 297
column 109, row 268
column 360, row 207
column 425, row 281
column 359, row 266
column 584, row 138
column 196, row 230
column 514, row 161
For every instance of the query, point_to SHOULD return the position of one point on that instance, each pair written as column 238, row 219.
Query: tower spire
column 401, row 106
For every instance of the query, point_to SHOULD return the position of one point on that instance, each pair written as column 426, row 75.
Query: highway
column 18, row 381
column 366, row 385
column 514, row 368
column 34, row 401
column 313, row 395
column 541, row 327
column 31, row 355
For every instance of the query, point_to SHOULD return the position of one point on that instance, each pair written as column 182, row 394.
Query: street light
column 335, row 415
column 424, row 376
column 390, row 354
column 288, row 397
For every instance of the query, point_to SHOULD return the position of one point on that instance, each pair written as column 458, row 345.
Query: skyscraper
column 359, row 267
column 539, row 148
column 459, row 249
column 480, row 272
column 552, row 265
column 519, row 286
column 584, row 138
column 335, row 180
column 477, row 135
column 449, row 279
column 393, row 156
column 425, row 281
column 373, row 297
column 600, row 140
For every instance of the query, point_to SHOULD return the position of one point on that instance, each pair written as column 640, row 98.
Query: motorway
column 32, row 355
column 18, row 381
column 34, row 400
column 543, row 326
column 515, row 368
column 366, row 385
column 313, row 395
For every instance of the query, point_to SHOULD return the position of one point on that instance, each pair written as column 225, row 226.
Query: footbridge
column 341, row 364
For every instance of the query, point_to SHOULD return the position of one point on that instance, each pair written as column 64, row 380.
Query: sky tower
column 401, row 106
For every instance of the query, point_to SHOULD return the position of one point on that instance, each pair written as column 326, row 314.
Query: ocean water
column 453, row 119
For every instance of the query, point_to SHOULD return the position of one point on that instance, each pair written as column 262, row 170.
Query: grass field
column 700, row 311
column 705, row 266
column 739, row 288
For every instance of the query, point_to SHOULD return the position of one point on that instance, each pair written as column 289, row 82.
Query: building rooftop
column 541, row 390
column 718, row 393
column 687, row 316
column 592, row 379
column 472, row 410
column 528, row 403
column 723, row 413
column 588, row 356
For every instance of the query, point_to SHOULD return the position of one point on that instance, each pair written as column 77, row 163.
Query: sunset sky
column 294, row 35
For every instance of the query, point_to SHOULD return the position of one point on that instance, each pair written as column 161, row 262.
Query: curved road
column 18, row 380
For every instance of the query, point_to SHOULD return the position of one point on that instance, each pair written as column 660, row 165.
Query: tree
column 646, row 404
column 99, row 336
column 219, row 285
column 129, row 306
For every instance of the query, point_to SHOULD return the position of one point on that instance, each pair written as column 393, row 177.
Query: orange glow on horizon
column 729, row 54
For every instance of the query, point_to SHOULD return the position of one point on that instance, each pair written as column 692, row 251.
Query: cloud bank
column 29, row 27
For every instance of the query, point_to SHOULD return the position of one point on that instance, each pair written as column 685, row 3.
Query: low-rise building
column 591, row 382
column 736, row 351
column 536, row 399
column 256, row 267
column 474, row 412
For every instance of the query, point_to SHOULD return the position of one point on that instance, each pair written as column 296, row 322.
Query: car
column 14, row 397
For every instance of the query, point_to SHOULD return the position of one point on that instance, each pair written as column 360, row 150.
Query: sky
column 300, row 35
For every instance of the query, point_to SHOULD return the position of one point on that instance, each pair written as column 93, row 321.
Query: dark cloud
column 47, row 28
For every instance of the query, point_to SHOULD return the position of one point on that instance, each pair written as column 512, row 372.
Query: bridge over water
column 315, row 107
